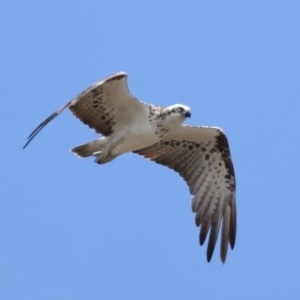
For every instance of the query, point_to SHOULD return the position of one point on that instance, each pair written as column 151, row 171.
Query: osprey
column 199, row 154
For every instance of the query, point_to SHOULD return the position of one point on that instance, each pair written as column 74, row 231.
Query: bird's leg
column 103, row 156
column 100, row 156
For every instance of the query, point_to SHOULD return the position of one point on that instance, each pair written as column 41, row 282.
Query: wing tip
column 44, row 123
column 227, row 237
column 223, row 259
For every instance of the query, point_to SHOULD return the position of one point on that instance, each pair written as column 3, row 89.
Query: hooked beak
column 188, row 114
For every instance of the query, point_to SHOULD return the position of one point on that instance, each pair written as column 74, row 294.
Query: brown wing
column 201, row 156
column 103, row 106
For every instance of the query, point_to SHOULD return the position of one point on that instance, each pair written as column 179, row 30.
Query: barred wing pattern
column 105, row 106
column 201, row 156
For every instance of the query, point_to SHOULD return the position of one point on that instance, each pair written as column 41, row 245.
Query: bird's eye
column 179, row 109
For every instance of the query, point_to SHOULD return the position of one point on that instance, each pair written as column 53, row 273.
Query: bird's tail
column 89, row 148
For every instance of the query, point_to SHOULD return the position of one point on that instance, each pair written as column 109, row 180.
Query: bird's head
column 177, row 113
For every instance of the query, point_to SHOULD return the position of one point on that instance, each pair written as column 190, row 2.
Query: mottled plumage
column 199, row 154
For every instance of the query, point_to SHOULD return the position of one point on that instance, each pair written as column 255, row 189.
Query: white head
column 177, row 113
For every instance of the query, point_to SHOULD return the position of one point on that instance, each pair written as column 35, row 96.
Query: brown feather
column 201, row 156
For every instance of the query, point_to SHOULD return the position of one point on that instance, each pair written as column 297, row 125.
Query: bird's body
column 199, row 154
column 133, row 137
column 148, row 126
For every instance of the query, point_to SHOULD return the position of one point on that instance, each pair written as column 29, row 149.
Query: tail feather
column 89, row 148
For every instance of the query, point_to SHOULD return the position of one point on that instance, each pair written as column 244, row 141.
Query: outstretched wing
column 104, row 106
column 201, row 156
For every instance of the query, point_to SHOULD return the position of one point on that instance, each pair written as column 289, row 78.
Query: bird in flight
column 199, row 154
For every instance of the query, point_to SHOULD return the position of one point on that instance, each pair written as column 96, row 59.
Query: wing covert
column 106, row 105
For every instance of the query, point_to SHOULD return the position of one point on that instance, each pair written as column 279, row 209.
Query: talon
column 98, row 156
column 97, row 153
column 103, row 156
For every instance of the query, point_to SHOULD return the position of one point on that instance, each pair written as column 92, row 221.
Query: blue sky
column 70, row 229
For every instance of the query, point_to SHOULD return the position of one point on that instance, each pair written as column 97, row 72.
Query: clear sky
column 70, row 229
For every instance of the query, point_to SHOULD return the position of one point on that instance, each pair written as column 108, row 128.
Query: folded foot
column 102, row 157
